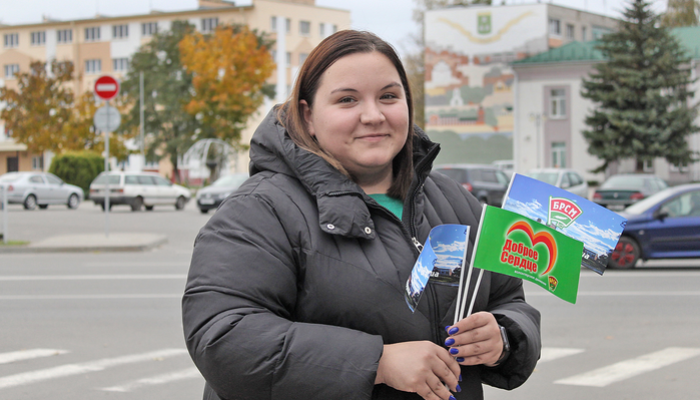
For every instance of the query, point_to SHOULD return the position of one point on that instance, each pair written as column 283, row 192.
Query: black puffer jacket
column 298, row 280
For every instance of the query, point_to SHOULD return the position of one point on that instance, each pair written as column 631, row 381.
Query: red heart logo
column 543, row 237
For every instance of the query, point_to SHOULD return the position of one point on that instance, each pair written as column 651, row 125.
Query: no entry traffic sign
column 106, row 87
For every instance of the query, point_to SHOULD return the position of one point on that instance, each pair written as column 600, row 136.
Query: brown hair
column 331, row 49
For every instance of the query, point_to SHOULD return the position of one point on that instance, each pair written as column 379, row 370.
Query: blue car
column 664, row 225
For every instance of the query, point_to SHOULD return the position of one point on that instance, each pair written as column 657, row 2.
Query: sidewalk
column 94, row 242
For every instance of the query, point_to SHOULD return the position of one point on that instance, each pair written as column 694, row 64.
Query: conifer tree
column 641, row 94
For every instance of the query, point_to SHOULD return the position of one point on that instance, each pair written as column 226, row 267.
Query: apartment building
column 104, row 44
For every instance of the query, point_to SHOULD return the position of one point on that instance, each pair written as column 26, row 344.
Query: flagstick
column 461, row 277
column 461, row 300
column 476, row 291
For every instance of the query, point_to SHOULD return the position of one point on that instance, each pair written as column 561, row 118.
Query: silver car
column 566, row 179
column 32, row 189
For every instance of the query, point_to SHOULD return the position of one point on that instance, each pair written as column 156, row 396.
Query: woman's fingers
column 475, row 340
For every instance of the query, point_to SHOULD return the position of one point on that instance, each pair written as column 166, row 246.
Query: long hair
column 331, row 49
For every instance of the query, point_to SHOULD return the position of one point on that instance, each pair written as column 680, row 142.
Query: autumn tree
column 168, row 89
column 230, row 68
column 681, row 13
column 641, row 94
column 38, row 111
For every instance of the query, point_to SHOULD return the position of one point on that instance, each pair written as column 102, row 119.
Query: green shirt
column 390, row 203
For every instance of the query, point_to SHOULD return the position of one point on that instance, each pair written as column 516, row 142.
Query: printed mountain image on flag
column 512, row 244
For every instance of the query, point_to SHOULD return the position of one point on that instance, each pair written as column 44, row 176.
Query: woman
column 296, row 287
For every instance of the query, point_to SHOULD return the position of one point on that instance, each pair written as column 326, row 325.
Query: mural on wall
column 468, row 79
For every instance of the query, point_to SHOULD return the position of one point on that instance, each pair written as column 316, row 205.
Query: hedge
column 78, row 168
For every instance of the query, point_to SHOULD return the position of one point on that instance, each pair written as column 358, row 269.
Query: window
column 38, row 163
column 574, row 178
column 273, row 23
column 584, row 33
column 93, row 66
column 322, row 30
column 149, row 28
column 38, row 38
column 92, row 34
column 334, row 28
column 302, row 58
column 160, row 181
column 685, row 205
column 53, row 179
column 36, row 179
column 557, row 101
column 648, row 166
column 146, row 180
column 120, row 64
column 274, row 55
column 120, row 31
column 304, row 28
column 559, row 155
column 12, row 40
column 289, row 58
column 65, row 36
column 209, row 24
column 598, row 31
column 288, row 25
column 11, row 70
column 569, row 31
column 554, row 27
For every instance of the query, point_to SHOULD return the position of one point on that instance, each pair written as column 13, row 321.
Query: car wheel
column 149, row 208
column 73, row 201
column 136, row 204
column 43, row 206
column 180, row 203
column 204, row 210
column 30, row 202
column 626, row 254
column 103, row 206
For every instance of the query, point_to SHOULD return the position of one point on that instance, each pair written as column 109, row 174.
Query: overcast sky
column 390, row 19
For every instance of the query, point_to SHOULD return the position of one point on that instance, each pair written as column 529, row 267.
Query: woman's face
column 360, row 114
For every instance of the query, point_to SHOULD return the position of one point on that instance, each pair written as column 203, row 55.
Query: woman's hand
column 420, row 367
column 475, row 340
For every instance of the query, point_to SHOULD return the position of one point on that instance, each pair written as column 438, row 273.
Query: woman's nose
column 372, row 114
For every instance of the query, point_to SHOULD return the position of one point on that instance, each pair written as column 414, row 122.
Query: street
column 83, row 326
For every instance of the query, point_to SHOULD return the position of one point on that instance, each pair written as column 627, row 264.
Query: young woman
column 296, row 286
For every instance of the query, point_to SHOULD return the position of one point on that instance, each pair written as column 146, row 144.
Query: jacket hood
column 271, row 149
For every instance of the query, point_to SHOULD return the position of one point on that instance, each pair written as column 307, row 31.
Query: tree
column 230, row 68
column 641, row 94
column 415, row 62
column 681, row 13
column 37, row 112
column 167, row 90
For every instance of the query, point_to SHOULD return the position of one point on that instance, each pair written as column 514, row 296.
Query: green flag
column 511, row 244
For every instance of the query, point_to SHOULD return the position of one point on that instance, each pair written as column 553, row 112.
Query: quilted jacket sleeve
column 238, row 309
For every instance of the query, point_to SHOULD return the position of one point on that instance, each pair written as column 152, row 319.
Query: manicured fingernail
column 460, row 359
column 453, row 330
column 449, row 342
column 452, row 398
column 459, row 389
column 454, row 351
column 447, row 328
column 460, row 377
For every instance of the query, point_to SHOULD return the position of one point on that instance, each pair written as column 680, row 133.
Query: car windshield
column 546, row 177
column 645, row 204
column 9, row 177
column 230, row 180
column 624, row 182
column 102, row 179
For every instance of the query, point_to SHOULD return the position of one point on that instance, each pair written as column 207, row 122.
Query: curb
column 79, row 244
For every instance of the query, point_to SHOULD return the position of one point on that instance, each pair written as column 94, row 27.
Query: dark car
column 212, row 195
column 620, row 191
column 664, row 225
column 487, row 183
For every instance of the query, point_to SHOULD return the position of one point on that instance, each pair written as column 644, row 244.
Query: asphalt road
column 107, row 325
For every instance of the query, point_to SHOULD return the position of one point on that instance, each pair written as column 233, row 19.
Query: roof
column 10, row 145
column 689, row 38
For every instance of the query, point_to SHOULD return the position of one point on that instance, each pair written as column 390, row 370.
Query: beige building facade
column 104, row 45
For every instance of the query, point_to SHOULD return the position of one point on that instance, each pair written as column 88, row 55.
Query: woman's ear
column 306, row 111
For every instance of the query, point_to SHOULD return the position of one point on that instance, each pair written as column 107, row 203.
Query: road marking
column 77, row 369
column 92, row 297
column 6, row 358
column 552, row 353
column 156, row 380
column 626, row 369
column 89, row 277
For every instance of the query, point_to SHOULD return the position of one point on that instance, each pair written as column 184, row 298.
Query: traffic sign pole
column 107, row 120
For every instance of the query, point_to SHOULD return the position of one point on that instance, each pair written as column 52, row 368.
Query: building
column 550, row 112
column 469, row 81
column 104, row 45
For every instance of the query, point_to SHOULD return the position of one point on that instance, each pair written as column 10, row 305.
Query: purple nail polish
column 459, row 389
column 454, row 351
column 449, row 342
column 460, row 377
column 459, row 360
column 453, row 330
column 447, row 328
column 452, row 397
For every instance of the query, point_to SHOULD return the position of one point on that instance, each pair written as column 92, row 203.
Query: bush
column 78, row 168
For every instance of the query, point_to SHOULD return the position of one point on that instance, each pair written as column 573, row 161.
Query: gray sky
column 390, row 19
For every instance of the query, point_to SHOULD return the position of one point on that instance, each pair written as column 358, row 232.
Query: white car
column 566, row 179
column 32, row 189
column 138, row 189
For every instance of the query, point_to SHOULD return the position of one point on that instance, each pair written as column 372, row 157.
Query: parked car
column 138, row 189
column 507, row 166
column 210, row 197
column 620, row 191
column 566, row 179
column 664, row 225
column 32, row 189
column 487, row 183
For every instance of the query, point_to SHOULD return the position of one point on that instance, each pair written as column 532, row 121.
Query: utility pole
column 143, row 136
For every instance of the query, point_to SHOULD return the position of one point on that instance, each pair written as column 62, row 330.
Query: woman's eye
column 346, row 100
column 389, row 96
